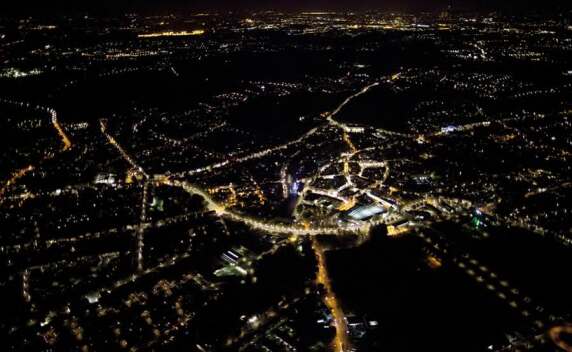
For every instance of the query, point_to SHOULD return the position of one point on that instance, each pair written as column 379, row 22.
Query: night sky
column 56, row 6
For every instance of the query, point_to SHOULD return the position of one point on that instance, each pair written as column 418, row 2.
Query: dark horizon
column 35, row 7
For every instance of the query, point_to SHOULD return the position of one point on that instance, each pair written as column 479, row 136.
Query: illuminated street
column 266, row 180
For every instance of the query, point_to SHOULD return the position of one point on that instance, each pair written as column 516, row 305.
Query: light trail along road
column 330, row 116
column 113, row 142
column 341, row 340
column 65, row 139
column 18, row 174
